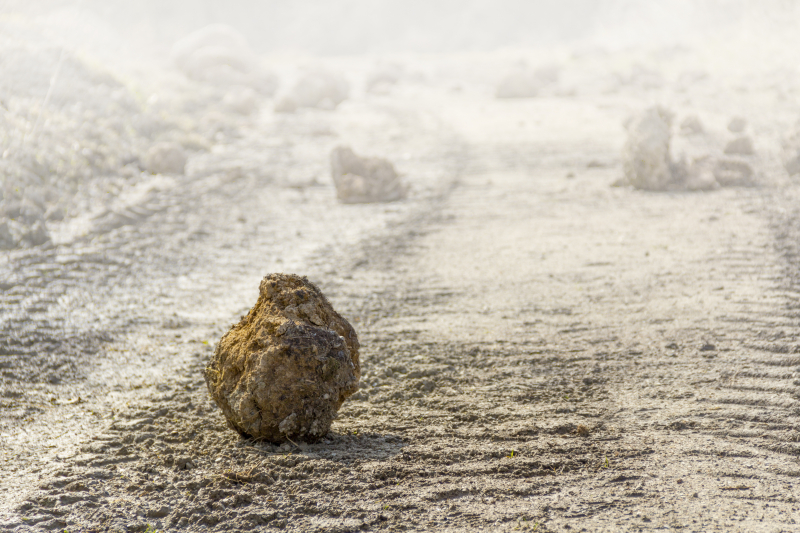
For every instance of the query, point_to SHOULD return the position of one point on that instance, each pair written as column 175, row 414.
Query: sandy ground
column 541, row 351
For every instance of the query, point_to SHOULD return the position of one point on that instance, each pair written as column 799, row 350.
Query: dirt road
column 541, row 351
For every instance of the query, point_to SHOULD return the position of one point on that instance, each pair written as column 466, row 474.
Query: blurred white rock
column 737, row 125
column 691, row 125
column 165, row 158
column 734, row 172
column 646, row 156
column 364, row 179
column 240, row 100
column 318, row 89
column 219, row 55
column 740, row 146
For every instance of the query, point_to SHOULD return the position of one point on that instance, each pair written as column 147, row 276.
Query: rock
column 165, row 158
column 285, row 369
column 691, row 125
column 364, row 180
column 318, row 89
column 730, row 172
column 526, row 83
column 646, row 157
column 219, row 55
column 737, row 125
column 700, row 175
column 740, row 146
column 241, row 100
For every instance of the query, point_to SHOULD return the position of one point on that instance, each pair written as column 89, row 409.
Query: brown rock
column 285, row 369
column 364, row 179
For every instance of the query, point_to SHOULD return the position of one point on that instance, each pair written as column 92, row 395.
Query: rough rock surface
column 165, row 158
column 646, row 156
column 285, row 369
column 364, row 179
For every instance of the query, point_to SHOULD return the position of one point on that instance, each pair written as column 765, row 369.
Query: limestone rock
column 364, row 179
column 165, row 158
column 286, row 368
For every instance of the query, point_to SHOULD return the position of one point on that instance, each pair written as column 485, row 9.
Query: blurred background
column 444, row 26
column 96, row 96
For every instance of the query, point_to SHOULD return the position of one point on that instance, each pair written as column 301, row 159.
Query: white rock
column 165, row 158
column 646, row 157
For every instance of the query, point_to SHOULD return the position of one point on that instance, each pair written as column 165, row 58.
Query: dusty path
column 541, row 352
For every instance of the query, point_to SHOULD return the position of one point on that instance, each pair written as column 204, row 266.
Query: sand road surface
column 540, row 351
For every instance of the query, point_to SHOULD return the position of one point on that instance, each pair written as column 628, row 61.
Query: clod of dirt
column 740, row 146
column 737, row 125
column 285, row 369
column 219, row 55
column 319, row 89
column 646, row 157
column 165, row 158
column 691, row 125
column 364, row 179
column 526, row 83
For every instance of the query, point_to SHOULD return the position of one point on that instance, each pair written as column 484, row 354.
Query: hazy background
column 331, row 27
